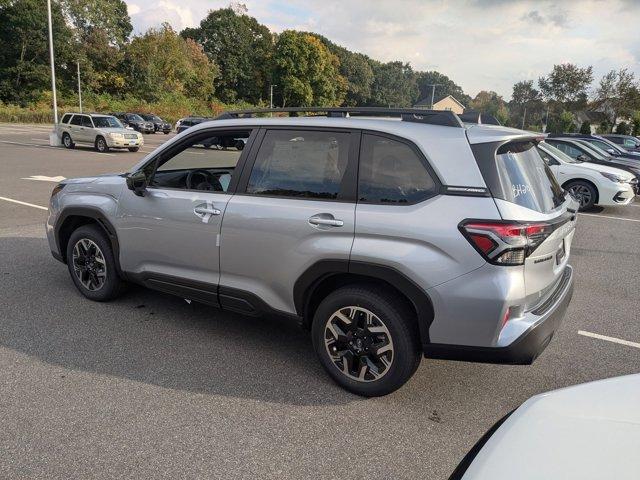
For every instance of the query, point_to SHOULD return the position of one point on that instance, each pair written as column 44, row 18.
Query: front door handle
column 206, row 210
column 325, row 220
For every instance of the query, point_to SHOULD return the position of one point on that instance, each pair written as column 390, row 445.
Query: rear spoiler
column 479, row 118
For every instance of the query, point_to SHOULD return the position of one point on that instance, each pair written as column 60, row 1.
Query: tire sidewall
column 112, row 284
column 404, row 341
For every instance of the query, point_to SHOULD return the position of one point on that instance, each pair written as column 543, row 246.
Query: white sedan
column 591, row 183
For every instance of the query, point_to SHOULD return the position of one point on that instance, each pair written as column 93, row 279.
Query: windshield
column 558, row 154
column 598, row 153
column 136, row 118
column 517, row 174
column 601, row 144
column 107, row 122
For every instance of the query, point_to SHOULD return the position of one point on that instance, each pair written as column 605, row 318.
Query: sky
column 479, row 44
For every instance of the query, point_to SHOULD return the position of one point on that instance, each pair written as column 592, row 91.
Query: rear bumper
column 528, row 346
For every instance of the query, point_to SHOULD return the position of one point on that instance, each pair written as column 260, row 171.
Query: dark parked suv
column 158, row 123
column 135, row 121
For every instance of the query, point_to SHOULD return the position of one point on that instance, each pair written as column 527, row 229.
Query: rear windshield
column 518, row 174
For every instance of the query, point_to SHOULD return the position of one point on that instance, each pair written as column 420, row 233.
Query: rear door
column 525, row 190
column 75, row 128
column 294, row 207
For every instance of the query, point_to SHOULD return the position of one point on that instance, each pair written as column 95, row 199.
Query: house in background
column 443, row 102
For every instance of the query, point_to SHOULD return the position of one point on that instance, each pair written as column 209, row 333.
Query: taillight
column 505, row 243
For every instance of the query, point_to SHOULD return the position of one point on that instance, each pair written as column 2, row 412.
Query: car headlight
column 613, row 177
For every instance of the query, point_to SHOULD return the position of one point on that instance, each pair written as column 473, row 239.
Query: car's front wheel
column 92, row 264
column 101, row 145
column 366, row 340
column 584, row 192
column 66, row 140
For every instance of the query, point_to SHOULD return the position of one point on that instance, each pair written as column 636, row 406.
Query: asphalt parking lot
column 151, row 386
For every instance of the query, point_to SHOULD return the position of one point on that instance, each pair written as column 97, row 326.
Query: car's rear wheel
column 584, row 192
column 101, row 144
column 134, row 149
column 66, row 140
column 92, row 264
column 366, row 340
column 239, row 145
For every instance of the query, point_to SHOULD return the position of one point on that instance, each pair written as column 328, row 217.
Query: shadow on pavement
column 154, row 338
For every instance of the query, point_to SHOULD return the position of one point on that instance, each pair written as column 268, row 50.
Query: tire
column 66, row 141
column 101, row 144
column 395, row 333
column 166, row 132
column 134, row 149
column 97, row 280
column 239, row 145
column 584, row 192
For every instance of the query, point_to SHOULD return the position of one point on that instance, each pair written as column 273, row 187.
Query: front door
column 294, row 207
column 171, row 234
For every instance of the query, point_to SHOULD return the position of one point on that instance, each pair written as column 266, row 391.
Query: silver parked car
column 585, row 432
column 390, row 240
column 101, row 131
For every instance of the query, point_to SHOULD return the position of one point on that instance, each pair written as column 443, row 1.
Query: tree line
column 232, row 59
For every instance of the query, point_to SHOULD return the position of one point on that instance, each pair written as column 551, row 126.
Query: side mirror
column 552, row 162
column 612, row 151
column 137, row 182
column 582, row 157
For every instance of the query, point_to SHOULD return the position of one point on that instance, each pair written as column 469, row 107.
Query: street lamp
column 52, row 61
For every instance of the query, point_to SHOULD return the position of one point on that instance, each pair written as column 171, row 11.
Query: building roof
column 426, row 102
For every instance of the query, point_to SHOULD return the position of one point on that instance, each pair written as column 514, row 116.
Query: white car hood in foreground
column 590, row 431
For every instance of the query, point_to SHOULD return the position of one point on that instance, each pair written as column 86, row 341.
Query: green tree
column 563, row 123
column 623, row 128
column 24, row 56
column 604, row 127
column 162, row 61
column 491, row 103
column 585, row 128
column 526, row 107
column 636, row 124
column 445, row 86
column 109, row 16
column 306, row 72
column 394, row 85
column 242, row 47
column 356, row 69
column 618, row 94
column 567, row 86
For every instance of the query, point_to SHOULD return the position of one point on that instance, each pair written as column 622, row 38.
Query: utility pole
column 433, row 92
column 524, row 116
column 53, row 68
column 79, row 87
column 271, row 97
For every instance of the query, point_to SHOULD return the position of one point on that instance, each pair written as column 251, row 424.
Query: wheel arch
column 72, row 218
column 584, row 180
column 327, row 275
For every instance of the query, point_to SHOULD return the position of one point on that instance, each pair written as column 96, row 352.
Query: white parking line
column 42, row 145
column 607, row 216
column 609, row 339
column 23, row 203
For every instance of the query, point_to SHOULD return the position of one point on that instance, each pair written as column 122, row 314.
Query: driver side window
column 206, row 163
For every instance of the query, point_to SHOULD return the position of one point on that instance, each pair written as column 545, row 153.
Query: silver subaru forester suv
column 389, row 234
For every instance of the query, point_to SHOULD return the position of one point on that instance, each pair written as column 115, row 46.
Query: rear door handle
column 206, row 210
column 325, row 219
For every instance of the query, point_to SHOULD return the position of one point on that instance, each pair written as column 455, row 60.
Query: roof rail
column 479, row 118
column 431, row 117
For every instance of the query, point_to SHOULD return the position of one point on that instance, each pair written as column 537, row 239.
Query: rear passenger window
column 392, row 172
column 302, row 163
column 86, row 122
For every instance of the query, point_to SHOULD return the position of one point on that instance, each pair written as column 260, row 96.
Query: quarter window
column 76, row 120
column 391, row 172
column 66, row 118
column 303, row 163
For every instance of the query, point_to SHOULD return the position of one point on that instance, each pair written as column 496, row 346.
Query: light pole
column 433, row 92
column 271, row 95
column 53, row 68
column 79, row 88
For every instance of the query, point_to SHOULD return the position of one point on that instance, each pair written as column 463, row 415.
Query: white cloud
column 480, row 44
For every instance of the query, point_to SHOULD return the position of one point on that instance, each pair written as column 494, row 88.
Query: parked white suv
column 591, row 183
column 101, row 131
